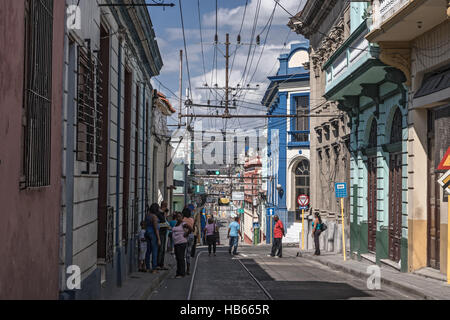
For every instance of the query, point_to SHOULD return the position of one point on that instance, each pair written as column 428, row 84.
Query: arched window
column 373, row 134
column 396, row 129
column 301, row 182
column 302, row 178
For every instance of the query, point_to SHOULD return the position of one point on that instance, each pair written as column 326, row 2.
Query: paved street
column 290, row 278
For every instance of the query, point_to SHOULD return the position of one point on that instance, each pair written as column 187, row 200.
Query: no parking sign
column 303, row 201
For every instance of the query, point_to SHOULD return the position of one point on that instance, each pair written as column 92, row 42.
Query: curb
column 388, row 282
column 155, row 284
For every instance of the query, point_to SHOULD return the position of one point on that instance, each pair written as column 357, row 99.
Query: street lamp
column 280, row 191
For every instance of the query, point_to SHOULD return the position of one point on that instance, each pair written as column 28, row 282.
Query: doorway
column 433, row 210
column 395, row 188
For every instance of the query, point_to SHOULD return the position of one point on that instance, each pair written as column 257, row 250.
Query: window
column 373, row 135
column 37, row 94
column 396, row 130
column 301, row 181
column 302, row 123
column 89, row 115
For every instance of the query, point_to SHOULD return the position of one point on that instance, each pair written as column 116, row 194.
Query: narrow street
column 131, row 128
column 290, row 278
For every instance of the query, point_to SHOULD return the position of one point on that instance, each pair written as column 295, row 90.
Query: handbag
column 323, row 227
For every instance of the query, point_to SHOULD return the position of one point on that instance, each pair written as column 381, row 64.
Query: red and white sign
column 303, row 200
column 445, row 162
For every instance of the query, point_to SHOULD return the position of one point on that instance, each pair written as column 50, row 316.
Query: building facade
column 288, row 161
column 107, row 177
column 326, row 25
column 413, row 37
column 30, row 163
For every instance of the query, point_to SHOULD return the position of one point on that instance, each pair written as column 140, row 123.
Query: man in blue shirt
column 234, row 232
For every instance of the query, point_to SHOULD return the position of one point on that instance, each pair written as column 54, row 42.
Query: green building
column 375, row 98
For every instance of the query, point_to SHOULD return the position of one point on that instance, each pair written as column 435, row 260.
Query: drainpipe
column 119, row 111
column 144, row 158
column 70, row 160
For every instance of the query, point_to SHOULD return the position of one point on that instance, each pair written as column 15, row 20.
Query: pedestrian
column 218, row 225
column 278, row 234
column 142, row 247
column 153, row 239
column 187, row 218
column 234, row 232
column 163, row 232
column 210, row 235
column 172, row 224
column 316, row 231
column 180, row 233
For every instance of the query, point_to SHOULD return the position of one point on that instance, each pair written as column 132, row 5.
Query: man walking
column 278, row 235
column 234, row 232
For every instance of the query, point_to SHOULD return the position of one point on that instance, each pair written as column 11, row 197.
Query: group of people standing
column 177, row 233
column 153, row 238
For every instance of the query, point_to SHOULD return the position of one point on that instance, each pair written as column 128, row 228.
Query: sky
column 258, row 62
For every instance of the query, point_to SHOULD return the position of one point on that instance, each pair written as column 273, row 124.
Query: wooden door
column 126, row 156
column 433, row 212
column 395, row 205
column 372, row 202
column 103, row 166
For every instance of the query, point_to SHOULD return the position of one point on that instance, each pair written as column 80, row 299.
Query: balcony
column 298, row 139
column 346, row 68
column 404, row 20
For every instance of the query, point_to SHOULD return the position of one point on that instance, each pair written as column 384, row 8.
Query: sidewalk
column 139, row 285
column 427, row 288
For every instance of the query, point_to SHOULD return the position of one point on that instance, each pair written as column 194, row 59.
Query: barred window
column 89, row 116
column 36, row 143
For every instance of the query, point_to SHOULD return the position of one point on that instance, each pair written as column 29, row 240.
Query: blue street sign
column 303, row 208
column 341, row 190
column 270, row 212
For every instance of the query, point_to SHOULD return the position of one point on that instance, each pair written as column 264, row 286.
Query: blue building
column 288, row 140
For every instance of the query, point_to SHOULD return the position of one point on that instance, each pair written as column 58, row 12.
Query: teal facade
column 368, row 90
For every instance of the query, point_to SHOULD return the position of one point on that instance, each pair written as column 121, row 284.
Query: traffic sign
column 341, row 190
column 303, row 200
column 270, row 212
column 445, row 162
column 444, row 181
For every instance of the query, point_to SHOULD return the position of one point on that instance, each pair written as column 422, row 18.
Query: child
column 142, row 247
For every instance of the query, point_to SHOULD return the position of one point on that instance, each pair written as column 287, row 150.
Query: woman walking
column 316, row 224
column 180, row 233
column 152, row 236
column 210, row 235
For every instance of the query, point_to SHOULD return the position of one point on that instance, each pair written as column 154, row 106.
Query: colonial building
column 31, row 56
column 326, row 24
column 108, row 163
column 413, row 37
column 288, row 139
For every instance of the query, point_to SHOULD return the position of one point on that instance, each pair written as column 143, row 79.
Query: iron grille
column 89, row 115
column 37, row 93
column 109, row 257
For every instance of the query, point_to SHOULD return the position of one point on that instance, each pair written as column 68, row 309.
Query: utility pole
column 181, row 88
column 227, row 88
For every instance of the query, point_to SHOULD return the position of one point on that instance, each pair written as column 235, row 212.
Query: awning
column 434, row 82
